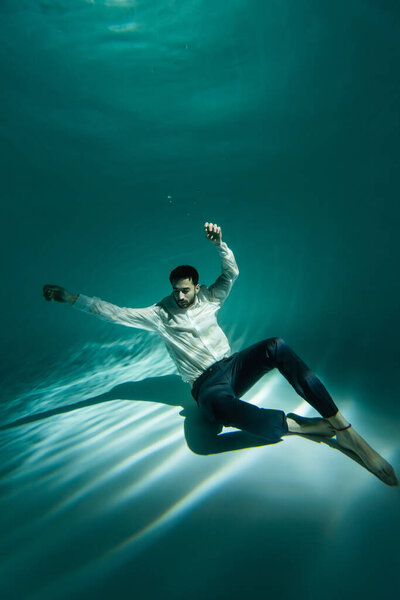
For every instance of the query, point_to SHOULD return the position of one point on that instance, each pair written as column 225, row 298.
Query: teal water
column 125, row 125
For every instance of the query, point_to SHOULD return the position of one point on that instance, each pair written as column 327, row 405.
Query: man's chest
column 198, row 320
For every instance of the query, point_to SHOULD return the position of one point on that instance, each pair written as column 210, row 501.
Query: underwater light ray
column 46, row 446
column 106, row 478
column 35, row 525
column 138, row 541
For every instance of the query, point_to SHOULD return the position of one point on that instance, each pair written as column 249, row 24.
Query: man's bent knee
column 274, row 345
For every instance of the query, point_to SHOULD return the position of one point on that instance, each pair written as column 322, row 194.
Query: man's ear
column 197, row 287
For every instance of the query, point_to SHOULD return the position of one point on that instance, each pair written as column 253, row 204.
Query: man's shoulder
column 166, row 306
column 203, row 291
column 164, row 303
column 205, row 295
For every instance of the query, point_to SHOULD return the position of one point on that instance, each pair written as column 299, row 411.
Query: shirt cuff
column 82, row 302
column 223, row 246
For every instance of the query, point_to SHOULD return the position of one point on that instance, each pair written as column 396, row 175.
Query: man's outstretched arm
column 141, row 318
column 220, row 290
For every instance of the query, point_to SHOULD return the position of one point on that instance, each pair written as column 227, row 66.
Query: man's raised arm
column 141, row 318
column 220, row 290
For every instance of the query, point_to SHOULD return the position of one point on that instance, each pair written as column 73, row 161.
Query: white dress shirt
column 193, row 338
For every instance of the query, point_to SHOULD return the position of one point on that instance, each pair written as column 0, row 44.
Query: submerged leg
column 251, row 363
column 309, row 387
column 351, row 440
column 300, row 376
column 230, row 411
column 309, row 426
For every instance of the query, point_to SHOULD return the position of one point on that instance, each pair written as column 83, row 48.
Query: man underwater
column 186, row 320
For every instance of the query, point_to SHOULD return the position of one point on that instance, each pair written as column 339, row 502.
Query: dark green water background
column 125, row 125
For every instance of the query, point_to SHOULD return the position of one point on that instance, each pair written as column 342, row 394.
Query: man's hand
column 213, row 233
column 60, row 294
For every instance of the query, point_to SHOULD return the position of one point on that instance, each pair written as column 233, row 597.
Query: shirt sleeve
column 141, row 318
column 219, row 291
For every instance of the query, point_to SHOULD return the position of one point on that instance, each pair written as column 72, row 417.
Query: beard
column 186, row 303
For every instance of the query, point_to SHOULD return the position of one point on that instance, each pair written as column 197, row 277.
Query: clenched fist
column 213, row 233
column 58, row 293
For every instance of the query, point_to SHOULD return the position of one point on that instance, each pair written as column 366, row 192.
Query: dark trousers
column 218, row 389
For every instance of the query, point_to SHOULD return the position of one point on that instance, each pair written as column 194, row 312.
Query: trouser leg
column 267, row 423
column 219, row 397
column 300, row 376
column 219, row 401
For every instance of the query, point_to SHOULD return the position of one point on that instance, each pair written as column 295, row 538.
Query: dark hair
column 184, row 272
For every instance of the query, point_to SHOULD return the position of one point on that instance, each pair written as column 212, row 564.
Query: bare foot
column 309, row 426
column 351, row 440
